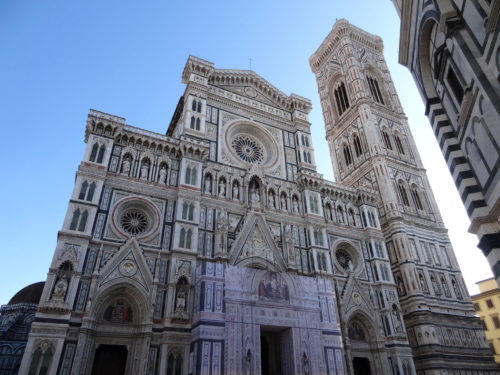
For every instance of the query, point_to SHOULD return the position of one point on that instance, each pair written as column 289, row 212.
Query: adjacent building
column 487, row 306
column 452, row 49
column 217, row 248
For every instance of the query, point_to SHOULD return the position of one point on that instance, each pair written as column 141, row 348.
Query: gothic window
column 93, row 153
column 79, row 220
column 75, row 219
column 399, row 144
column 387, row 140
column 90, row 194
column 375, row 90
column 403, row 194
column 371, row 219
column 357, row 145
column 198, row 107
column 321, row 260
column 313, row 203
column 174, row 364
column 83, row 221
column 375, row 273
column 379, row 250
column 83, row 190
column 385, row 272
column 305, row 140
column 416, row 198
column 191, row 174
column 185, row 238
column 100, row 156
column 187, row 211
column 347, row 155
column 40, row 362
column 318, row 237
column 341, row 99
column 195, row 123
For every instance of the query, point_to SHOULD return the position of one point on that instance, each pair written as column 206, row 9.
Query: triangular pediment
column 250, row 85
column 127, row 265
column 255, row 246
column 354, row 298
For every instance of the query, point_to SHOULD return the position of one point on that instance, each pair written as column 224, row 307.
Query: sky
column 60, row 58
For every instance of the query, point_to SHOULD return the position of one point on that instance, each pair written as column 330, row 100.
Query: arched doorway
column 361, row 340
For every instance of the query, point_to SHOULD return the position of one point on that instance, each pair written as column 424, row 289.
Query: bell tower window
column 375, row 90
column 341, row 99
column 347, row 155
column 387, row 140
column 357, row 146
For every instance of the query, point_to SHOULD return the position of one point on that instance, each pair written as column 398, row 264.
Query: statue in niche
column 163, row 175
column 118, row 312
column 328, row 213
column 236, row 192
column 222, row 188
column 207, row 185
column 401, row 287
column 60, row 288
column 271, row 201
column 396, row 320
column 144, row 171
column 295, row 205
column 180, row 301
column 254, row 195
column 283, row 203
column 126, row 165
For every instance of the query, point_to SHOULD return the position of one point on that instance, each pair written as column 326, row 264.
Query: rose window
column 248, row 149
column 344, row 259
column 134, row 222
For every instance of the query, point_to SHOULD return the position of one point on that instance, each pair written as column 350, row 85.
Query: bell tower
column 371, row 145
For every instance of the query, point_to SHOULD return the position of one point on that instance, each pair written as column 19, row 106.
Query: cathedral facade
column 452, row 49
column 217, row 248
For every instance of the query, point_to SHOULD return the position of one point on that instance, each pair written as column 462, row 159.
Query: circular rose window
column 251, row 143
column 135, row 217
column 248, row 149
column 344, row 259
column 134, row 222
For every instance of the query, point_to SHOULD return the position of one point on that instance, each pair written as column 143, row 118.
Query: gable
column 255, row 246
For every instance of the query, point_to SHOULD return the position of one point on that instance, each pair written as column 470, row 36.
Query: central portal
column 276, row 351
column 110, row 360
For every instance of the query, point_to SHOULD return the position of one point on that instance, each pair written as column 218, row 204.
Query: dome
column 29, row 294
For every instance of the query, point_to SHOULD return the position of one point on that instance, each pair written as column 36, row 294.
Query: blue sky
column 60, row 58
